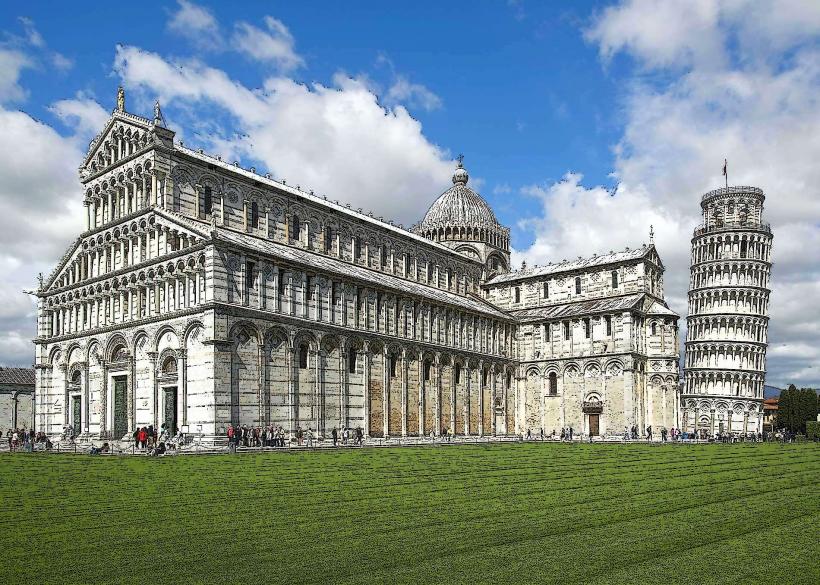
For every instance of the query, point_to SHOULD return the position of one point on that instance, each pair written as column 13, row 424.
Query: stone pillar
column 366, row 356
column 386, row 393
column 261, row 362
column 404, row 393
column 422, row 398
column 437, row 395
column 467, row 392
column 293, row 410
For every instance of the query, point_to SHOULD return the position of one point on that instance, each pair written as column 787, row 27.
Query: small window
column 357, row 248
column 328, row 239
column 303, row 357
column 393, row 366
column 547, row 329
column 546, row 289
column 577, row 285
column 457, row 373
column 449, row 278
column 587, row 328
column 169, row 366
column 352, row 356
column 614, row 279
column 249, row 279
column 254, row 215
column 207, row 203
column 296, row 232
column 518, row 294
column 566, row 329
column 743, row 249
column 608, row 320
column 383, row 259
column 406, row 265
column 281, row 284
column 654, row 328
column 429, row 272
column 495, row 263
column 553, row 384
column 427, row 369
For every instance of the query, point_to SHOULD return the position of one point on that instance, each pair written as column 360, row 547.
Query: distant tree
column 786, row 406
column 796, row 407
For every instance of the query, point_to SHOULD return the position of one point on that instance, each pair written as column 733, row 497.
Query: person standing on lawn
column 335, row 436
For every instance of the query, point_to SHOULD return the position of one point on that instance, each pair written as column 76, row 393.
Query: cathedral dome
column 458, row 206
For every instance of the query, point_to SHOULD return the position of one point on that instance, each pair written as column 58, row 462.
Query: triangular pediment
column 129, row 126
column 52, row 282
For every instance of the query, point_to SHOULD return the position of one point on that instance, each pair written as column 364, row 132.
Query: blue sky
column 523, row 95
column 582, row 123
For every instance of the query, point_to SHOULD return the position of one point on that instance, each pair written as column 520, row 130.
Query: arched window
column 546, row 289
column 429, row 271
column 303, row 356
column 76, row 378
column 352, row 356
column 254, row 215
column 407, row 265
column 169, row 366
column 566, row 330
column 608, row 320
column 383, row 259
column 357, row 248
column 207, row 201
column 296, row 231
column 427, row 371
column 547, row 328
column 577, row 285
column 553, row 384
column 518, row 294
column 449, row 278
column 457, row 373
column 654, row 328
column 393, row 366
column 614, row 279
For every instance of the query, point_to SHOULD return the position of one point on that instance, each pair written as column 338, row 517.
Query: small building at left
column 16, row 398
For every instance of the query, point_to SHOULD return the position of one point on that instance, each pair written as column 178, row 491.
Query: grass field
column 500, row 513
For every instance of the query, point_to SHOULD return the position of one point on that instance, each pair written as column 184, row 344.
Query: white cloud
column 275, row 46
column 761, row 111
column 413, row 94
column 33, row 36
column 61, row 62
column 11, row 64
column 337, row 140
column 197, row 24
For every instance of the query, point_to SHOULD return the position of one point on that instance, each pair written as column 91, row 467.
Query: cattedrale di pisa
column 728, row 314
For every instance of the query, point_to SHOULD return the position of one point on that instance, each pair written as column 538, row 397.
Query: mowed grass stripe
column 365, row 512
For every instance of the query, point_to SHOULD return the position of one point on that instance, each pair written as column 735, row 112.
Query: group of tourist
column 276, row 436
column 24, row 439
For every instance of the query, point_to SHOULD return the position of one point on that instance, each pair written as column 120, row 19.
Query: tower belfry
column 727, row 325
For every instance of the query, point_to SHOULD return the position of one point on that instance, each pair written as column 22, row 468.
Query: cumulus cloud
column 274, row 46
column 710, row 101
column 197, row 24
column 413, row 94
column 11, row 64
column 336, row 139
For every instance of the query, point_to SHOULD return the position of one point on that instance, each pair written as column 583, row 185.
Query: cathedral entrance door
column 170, row 409
column 120, row 407
column 594, row 420
column 75, row 415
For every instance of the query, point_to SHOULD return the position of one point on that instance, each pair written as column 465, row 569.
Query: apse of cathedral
column 202, row 294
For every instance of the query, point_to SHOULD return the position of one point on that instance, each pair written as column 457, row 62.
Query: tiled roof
column 570, row 265
column 580, row 308
column 333, row 265
column 657, row 308
column 20, row 376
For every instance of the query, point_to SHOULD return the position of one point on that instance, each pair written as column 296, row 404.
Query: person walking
column 335, row 435
column 570, row 433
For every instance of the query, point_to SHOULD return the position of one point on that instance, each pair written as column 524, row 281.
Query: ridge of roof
column 334, row 265
column 573, row 265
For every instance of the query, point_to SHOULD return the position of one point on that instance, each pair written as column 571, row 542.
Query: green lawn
column 500, row 513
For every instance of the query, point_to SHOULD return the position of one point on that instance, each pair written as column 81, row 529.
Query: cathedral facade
column 203, row 295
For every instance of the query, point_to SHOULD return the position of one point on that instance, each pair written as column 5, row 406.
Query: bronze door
column 593, row 424
column 120, row 407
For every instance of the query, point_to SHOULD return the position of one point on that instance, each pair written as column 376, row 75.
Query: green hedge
column 813, row 430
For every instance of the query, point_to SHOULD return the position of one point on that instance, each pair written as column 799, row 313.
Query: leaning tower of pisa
column 727, row 325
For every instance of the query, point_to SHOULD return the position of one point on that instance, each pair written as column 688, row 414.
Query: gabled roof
column 655, row 307
column 564, row 310
column 130, row 119
column 321, row 262
column 644, row 252
column 18, row 376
